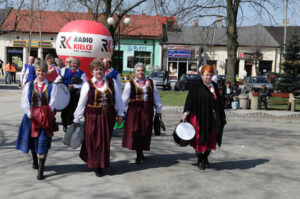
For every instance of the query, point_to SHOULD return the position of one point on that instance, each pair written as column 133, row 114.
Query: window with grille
column 143, row 57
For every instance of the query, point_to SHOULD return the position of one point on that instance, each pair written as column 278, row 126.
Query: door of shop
column 248, row 67
column 182, row 69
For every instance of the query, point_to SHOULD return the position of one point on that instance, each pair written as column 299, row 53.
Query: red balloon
column 84, row 40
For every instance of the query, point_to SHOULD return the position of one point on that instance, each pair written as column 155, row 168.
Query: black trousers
column 228, row 100
column 67, row 114
column 264, row 100
column 13, row 77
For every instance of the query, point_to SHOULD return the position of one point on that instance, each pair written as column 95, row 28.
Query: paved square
column 257, row 160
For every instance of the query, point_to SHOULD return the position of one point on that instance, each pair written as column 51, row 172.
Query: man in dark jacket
column 263, row 93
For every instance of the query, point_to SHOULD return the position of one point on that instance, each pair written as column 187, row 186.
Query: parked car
column 160, row 79
column 254, row 83
column 221, row 80
column 185, row 81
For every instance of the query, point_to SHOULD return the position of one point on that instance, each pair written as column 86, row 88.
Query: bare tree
column 101, row 10
column 226, row 9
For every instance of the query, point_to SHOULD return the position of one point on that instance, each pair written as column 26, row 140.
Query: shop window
column 212, row 63
column 143, row 57
column 172, row 68
column 15, row 56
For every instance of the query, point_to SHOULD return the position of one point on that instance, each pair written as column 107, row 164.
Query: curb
column 292, row 118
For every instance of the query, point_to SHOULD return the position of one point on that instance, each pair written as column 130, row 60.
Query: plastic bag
column 77, row 137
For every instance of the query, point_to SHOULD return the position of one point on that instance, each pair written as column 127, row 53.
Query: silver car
column 254, row 83
column 160, row 79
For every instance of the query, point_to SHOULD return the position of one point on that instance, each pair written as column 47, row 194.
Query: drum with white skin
column 63, row 97
column 184, row 134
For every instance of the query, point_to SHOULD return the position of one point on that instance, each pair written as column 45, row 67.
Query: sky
column 246, row 18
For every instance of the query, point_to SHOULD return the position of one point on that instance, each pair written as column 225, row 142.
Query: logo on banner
column 83, row 44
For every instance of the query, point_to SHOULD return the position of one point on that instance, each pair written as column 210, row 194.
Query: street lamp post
column 111, row 21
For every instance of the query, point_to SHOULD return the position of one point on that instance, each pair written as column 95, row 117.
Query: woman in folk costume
column 204, row 109
column 36, row 131
column 100, row 101
column 140, row 94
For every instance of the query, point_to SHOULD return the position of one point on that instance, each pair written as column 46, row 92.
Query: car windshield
column 193, row 77
column 157, row 74
column 223, row 77
column 285, row 79
column 259, row 80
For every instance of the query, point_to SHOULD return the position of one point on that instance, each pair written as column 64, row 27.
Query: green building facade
column 132, row 51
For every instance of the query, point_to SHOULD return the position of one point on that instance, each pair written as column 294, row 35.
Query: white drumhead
column 63, row 96
column 185, row 131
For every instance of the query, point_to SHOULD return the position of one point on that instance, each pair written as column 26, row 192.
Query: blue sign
column 179, row 53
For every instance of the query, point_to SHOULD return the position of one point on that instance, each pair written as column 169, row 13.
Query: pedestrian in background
column 100, row 101
column 74, row 79
column 28, row 72
column 36, row 130
column 228, row 94
column 215, row 78
column 141, row 95
column 245, row 74
column 1, row 67
column 68, row 62
column 204, row 109
column 13, row 71
column 263, row 94
column 110, row 72
column 7, row 73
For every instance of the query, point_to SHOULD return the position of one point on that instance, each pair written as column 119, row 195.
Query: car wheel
column 176, row 88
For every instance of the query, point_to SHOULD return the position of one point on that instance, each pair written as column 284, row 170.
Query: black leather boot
column 201, row 161
column 35, row 162
column 138, row 159
column 205, row 157
column 142, row 156
column 40, row 175
column 99, row 172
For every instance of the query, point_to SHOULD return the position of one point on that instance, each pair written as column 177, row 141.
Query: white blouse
column 79, row 112
column 156, row 98
column 25, row 105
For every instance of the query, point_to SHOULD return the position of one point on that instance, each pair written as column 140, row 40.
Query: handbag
column 156, row 125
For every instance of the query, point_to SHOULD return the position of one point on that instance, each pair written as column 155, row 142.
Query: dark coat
column 200, row 102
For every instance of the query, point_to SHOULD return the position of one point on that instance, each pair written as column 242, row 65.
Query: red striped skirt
column 95, row 149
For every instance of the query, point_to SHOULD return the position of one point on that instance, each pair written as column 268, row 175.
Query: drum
column 63, row 97
column 183, row 134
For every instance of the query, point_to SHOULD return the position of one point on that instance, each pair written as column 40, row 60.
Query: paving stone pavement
column 257, row 160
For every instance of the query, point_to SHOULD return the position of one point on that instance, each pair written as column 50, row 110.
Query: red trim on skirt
column 195, row 143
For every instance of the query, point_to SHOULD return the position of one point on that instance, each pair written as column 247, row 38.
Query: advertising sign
column 179, row 53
